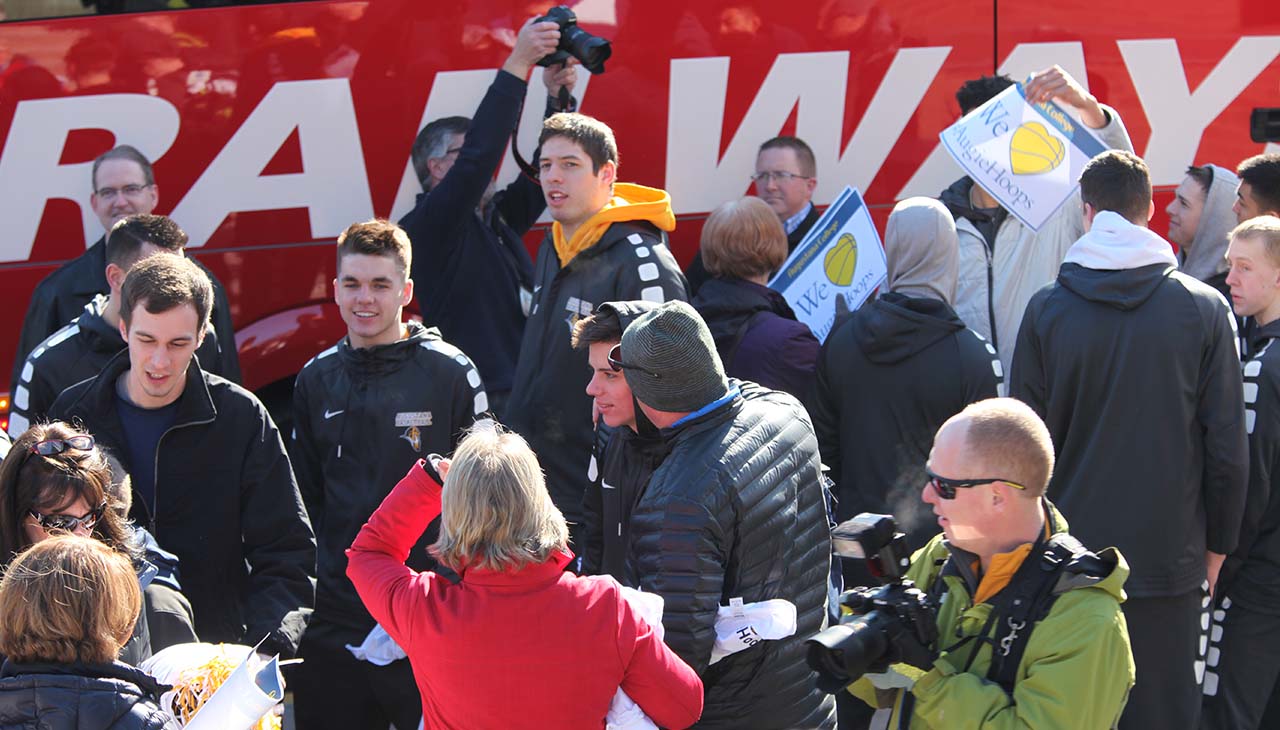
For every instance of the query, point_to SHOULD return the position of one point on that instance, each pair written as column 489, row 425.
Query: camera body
column 592, row 51
column 894, row 622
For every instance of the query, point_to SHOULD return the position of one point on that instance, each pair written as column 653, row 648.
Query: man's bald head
column 1005, row 439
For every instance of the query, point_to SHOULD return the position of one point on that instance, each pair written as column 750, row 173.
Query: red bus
column 273, row 126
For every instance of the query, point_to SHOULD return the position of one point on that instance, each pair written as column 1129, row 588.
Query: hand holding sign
column 1054, row 84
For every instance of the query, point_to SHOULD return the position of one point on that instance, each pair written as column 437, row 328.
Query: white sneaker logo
column 330, row 414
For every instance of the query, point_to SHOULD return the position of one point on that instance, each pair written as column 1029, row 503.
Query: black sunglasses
column 946, row 488
column 68, row 523
column 615, row 362
column 49, row 447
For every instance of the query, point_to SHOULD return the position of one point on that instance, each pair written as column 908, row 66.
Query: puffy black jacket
column 888, row 378
column 63, row 294
column 736, row 510
column 226, row 504
column 1136, row 374
column 81, row 697
column 549, row 404
column 362, row 417
column 77, row 352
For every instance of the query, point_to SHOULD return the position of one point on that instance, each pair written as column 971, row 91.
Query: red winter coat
column 532, row 648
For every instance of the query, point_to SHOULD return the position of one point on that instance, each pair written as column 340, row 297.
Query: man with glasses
column 1030, row 633
column 473, row 271
column 123, row 185
column 1134, row 367
column 785, row 177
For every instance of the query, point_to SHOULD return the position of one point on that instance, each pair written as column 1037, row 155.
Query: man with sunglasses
column 210, row 476
column 785, row 177
column 1030, row 633
column 736, row 512
column 123, row 185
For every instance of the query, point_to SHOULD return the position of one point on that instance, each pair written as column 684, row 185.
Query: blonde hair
column 496, row 511
column 1010, row 441
column 68, row 599
column 743, row 238
column 1264, row 228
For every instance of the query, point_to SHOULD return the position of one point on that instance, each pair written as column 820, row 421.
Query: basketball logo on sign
column 841, row 260
column 1033, row 150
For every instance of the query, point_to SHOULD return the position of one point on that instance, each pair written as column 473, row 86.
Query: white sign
column 1028, row 156
column 841, row 256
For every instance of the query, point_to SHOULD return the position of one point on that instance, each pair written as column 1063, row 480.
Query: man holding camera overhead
column 1029, row 627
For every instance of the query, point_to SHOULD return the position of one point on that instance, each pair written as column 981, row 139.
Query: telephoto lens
column 590, row 50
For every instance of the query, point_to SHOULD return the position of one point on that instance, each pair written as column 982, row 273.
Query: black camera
column 591, row 50
column 894, row 622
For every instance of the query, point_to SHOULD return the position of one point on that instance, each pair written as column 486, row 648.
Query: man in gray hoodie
column 1200, row 220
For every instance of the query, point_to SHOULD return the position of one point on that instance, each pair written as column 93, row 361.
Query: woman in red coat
column 514, row 641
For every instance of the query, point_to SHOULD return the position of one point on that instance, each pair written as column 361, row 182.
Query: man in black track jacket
column 893, row 373
column 1134, row 368
column 1243, row 663
column 365, row 410
column 735, row 511
column 210, row 476
column 82, row 348
column 473, row 271
column 123, row 185
column 608, row 243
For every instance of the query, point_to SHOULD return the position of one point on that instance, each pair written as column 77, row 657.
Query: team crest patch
column 413, row 418
column 577, row 309
column 414, row 437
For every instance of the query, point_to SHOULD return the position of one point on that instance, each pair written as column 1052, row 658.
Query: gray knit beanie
column 670, row 360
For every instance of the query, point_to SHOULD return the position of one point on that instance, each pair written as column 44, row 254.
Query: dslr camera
column 592, row 51
column 893, row 622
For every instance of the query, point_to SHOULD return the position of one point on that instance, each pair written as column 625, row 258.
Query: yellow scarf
column 630, row 202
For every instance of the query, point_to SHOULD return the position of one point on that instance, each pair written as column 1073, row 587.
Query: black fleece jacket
column 1136, row 373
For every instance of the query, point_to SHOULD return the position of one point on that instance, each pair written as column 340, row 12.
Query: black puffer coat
column 737, row 510
column 81, row 697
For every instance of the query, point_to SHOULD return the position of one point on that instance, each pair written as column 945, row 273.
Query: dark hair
column 1262, row 172
column 377, row 237
column 1202, row 175
column 976, row 92
column 161, row 283
column 592, row 135
column 804, row 155
column 432, row 143
column 127, row 236
column 1120, row 182
column 124, row 152
column 602, row 326
column 31, row 481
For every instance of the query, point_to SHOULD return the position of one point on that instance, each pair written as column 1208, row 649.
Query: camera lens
column 591, row 50
column 843, row 653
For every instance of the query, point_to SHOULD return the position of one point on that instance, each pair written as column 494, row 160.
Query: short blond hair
column 742, row 239
column 496, row 512
column 1010, row 442
column 68, row 599
column 1264, row 228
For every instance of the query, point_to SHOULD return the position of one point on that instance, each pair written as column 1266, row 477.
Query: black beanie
column 670, row 360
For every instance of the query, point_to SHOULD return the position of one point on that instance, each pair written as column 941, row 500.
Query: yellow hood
column 630, row 202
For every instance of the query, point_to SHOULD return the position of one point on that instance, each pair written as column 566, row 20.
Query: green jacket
column 1076, row 673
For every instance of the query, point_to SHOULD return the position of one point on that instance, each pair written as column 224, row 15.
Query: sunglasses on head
column 615, row 362
column 946, row 488
column 68, row 523
column 49, row 447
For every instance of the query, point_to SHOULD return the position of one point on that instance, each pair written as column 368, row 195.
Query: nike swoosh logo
column 330, row 414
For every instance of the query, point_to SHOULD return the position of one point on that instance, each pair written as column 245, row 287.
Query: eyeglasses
column 129, row 191
column 68, row 523
column 946, row 488
column 615, row 362
column 49, row 447
column 764, row 178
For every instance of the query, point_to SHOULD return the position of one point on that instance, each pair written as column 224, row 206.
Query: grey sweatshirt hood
column 922, row 250
column 1206, row 256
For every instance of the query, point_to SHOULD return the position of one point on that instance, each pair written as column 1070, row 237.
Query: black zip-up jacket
column 362, row 417
column 697, row 271
column 81, row 697
column 549, row 404
column 63, row 294
column 888, row 378
column 469, row 270
column 1251, row 575
column 225, row 496
column 737, row 510
column 1136, row 373
column 76, row 352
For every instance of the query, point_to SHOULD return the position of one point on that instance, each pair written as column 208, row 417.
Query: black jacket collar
column 195, row 405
